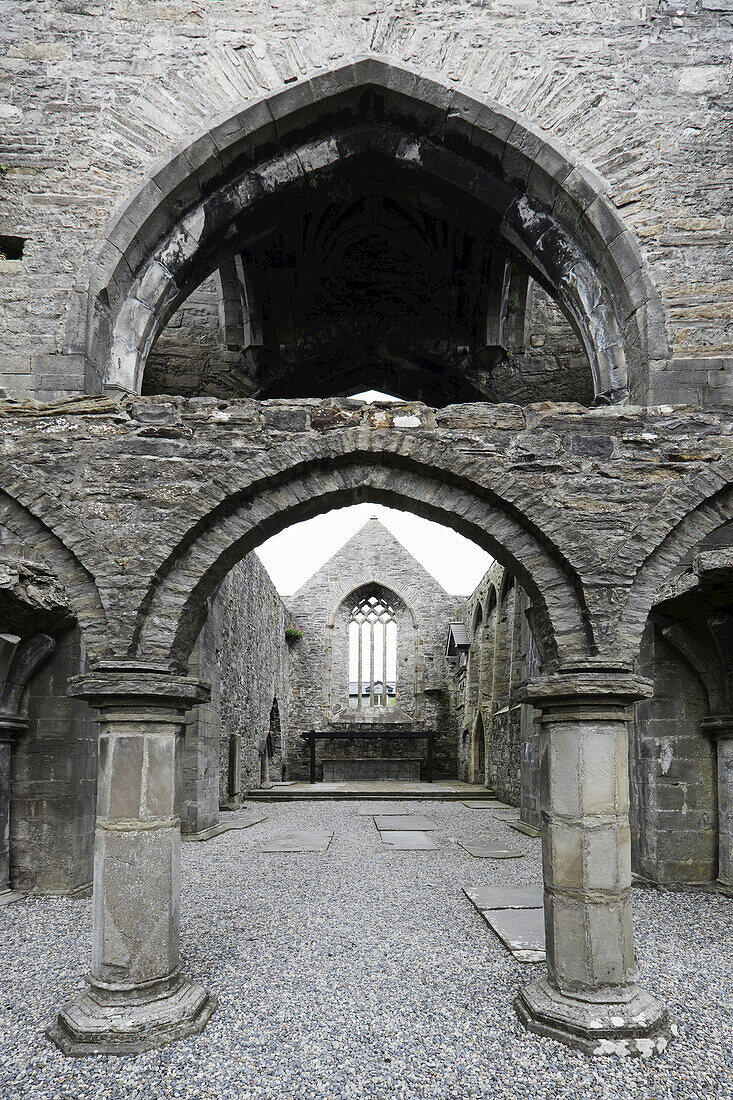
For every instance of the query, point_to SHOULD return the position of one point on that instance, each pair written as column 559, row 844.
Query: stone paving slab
column 522, row 931
column 383, row 809
column 403, row 824
column 523, row 827
column 505, row 897
column 223, row 827
column 486, row 804
column 299, row 840
column 408, row 841
column 484, row 849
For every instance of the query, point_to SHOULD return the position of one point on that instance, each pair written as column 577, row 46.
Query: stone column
column 720, row 726
column 589, row 998
column 137, row 999
column 10, row 727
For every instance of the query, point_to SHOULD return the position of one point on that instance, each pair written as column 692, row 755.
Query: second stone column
column 589, row 998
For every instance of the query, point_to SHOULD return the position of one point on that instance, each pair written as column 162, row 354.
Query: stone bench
column 370, row 768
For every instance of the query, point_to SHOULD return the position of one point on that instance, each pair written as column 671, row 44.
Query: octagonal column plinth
column 136, row 997
column 720, row 727
column 10, row 728
column 589, row 999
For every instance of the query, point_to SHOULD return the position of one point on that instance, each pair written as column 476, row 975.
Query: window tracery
column 372, row 653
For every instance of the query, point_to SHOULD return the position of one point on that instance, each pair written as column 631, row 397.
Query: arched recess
column 211, row 198
column 172, row 613
column 34, row 539
column 675, row 550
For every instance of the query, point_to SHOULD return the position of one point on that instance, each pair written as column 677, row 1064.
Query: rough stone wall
column 673, row 772
column 96, row 94
column 54, row 781
column 242, row 652
column 320, row 659
column 549, row 364
column 504, row 650
column 190, row 356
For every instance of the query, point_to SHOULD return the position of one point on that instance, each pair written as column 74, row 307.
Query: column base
column 8, row 896
column 624, row 1022
column 100, row 1022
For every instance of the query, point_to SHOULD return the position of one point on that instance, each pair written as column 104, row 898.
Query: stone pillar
column 136, row 999
column 720, row 726
column 10, row 728
column 589, row 998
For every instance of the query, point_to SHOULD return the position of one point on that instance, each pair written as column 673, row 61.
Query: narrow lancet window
column 372, row 654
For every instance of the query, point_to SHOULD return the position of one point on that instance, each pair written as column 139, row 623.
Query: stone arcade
column 362, row 222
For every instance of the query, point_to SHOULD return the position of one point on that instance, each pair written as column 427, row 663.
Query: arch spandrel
column 553, row 209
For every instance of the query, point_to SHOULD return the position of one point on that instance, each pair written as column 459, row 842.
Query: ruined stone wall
column 549, row 364
column 672, row 765
column 320, row 657
column 503, row 649
column 190, row 355
column 242, row 652
column 54, row 781
column 94, row 95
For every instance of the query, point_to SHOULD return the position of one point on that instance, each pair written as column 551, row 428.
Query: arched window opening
column 372, row 654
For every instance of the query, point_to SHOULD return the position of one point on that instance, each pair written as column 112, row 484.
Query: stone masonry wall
column 191, row 356
column 495, row 670
column 673, row 772
column 94, row 94
column 54, row 781
column 242, row 652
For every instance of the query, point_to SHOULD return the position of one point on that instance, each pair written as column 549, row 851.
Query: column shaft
column 720, row 727
column 589, row 998
column 137, row 999
column 10, row 728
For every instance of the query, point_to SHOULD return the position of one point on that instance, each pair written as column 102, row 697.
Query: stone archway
column 551, row 214
column 138, row 997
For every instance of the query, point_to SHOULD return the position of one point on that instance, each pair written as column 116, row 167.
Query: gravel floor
column 363, row 973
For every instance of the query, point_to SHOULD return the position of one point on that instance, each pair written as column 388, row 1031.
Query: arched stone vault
column 590, row 510
column 50, row 538
column 195, row 209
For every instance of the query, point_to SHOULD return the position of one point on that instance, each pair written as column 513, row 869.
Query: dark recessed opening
column 11, row 248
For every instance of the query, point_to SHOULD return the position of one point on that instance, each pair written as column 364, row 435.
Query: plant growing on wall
column 292, row 634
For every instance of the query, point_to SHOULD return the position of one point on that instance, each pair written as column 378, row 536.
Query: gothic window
column 372, row 653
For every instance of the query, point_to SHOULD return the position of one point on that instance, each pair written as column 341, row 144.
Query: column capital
column 11, row 726
column 113, row 684
column 718, row 725
column 590, row 684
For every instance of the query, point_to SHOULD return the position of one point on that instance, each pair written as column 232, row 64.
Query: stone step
column 440, row 791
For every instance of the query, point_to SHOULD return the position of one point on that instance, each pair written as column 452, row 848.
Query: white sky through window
column 375, row 395
column 299, row 551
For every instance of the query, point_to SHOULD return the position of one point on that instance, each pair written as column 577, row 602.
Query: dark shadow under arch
column 553, row 212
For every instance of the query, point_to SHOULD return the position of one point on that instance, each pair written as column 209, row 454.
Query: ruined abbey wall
column 373, row 556
column 95, row 94
column 243, row 653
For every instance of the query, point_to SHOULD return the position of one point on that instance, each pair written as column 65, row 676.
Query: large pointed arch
column 217, row 189
column 174, row 608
